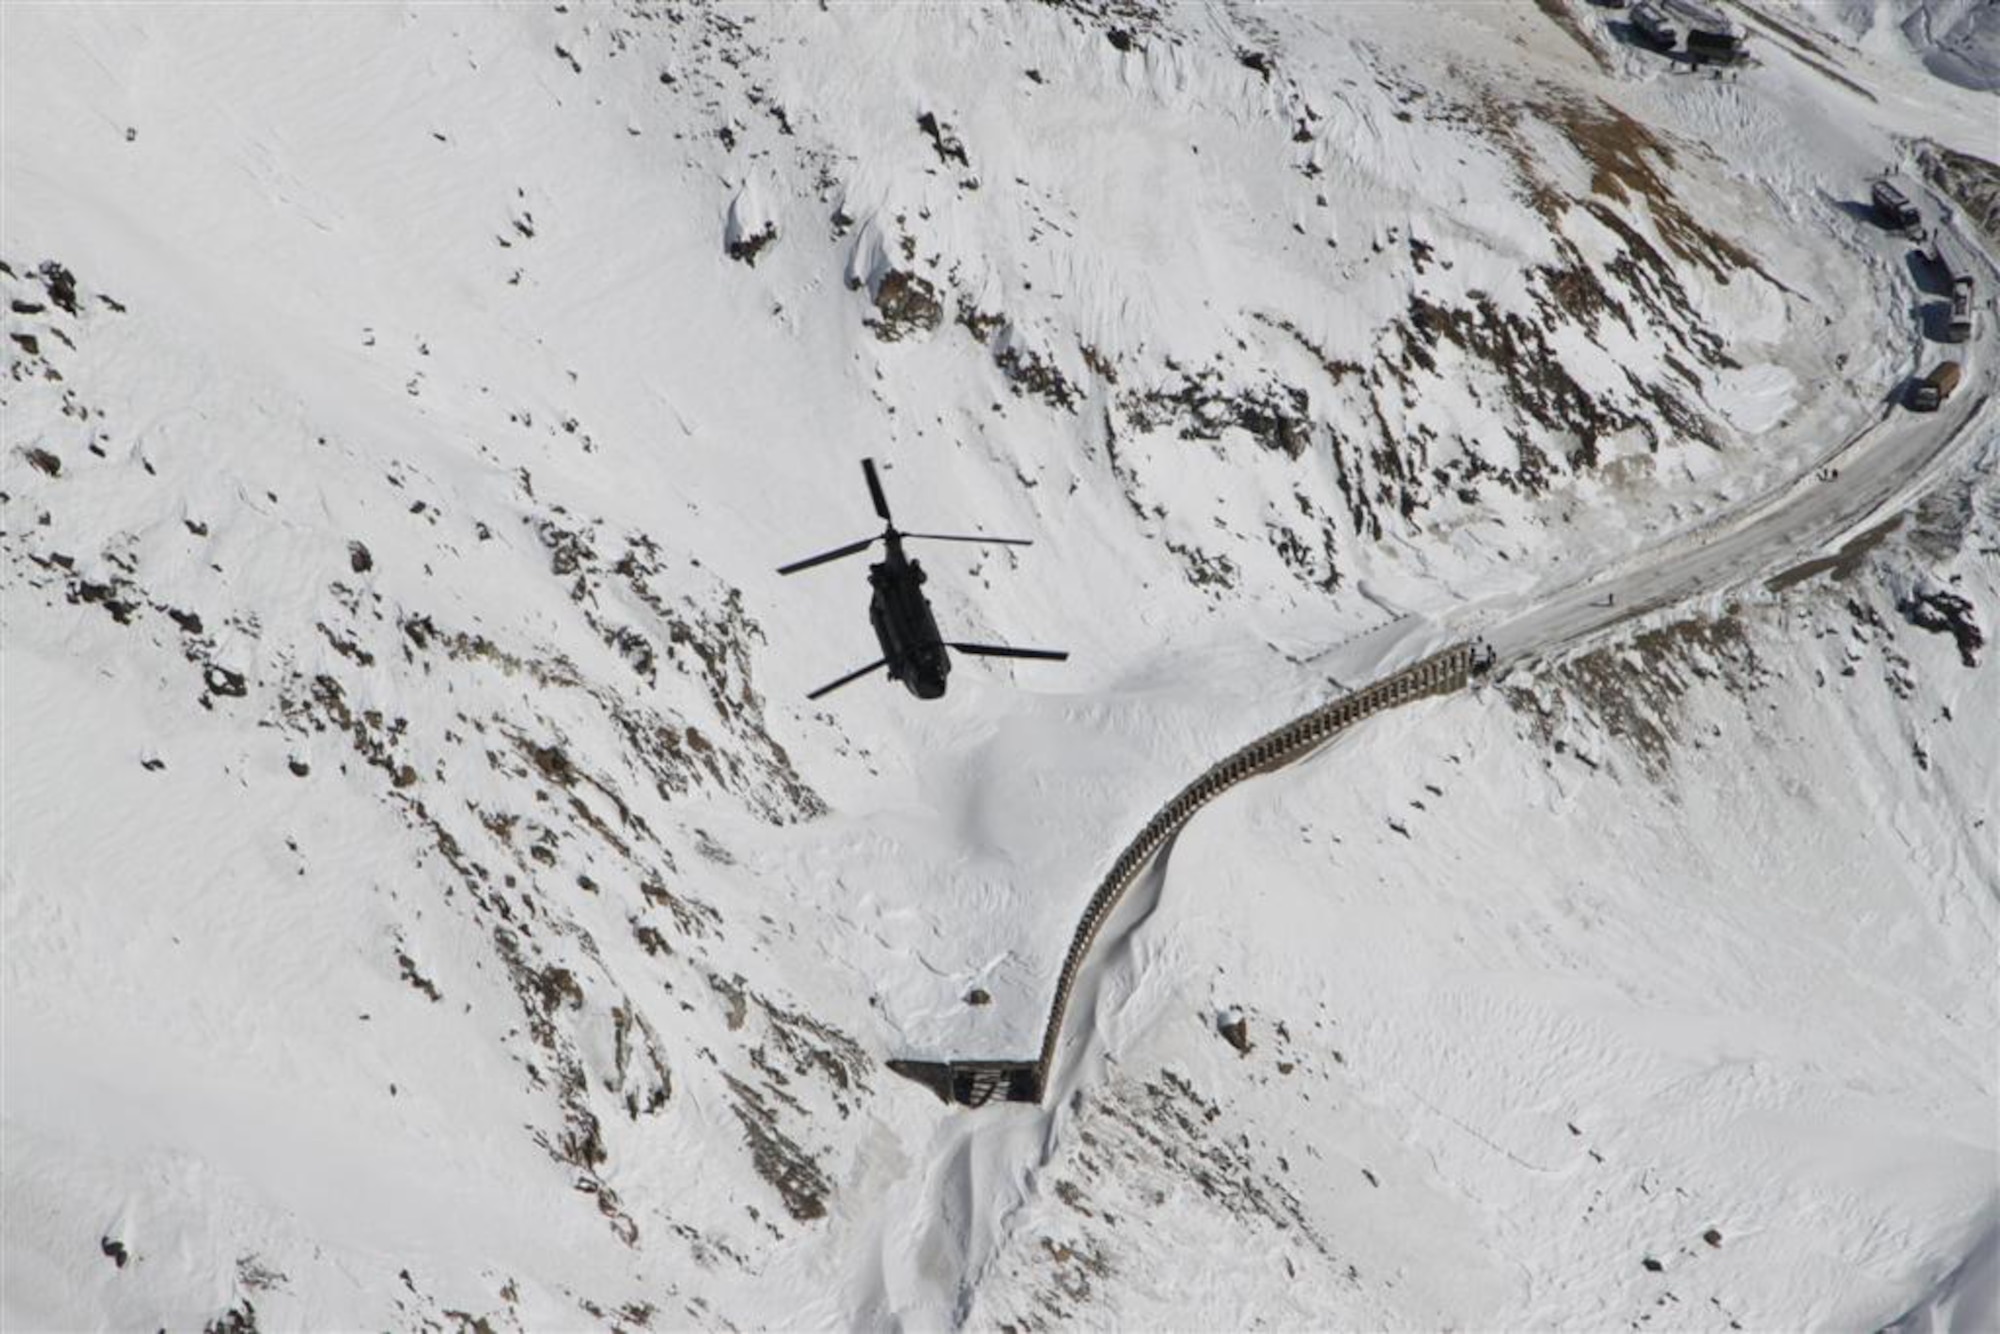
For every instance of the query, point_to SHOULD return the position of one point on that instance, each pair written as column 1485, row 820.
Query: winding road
column 1876, row 471
column 1846, row 494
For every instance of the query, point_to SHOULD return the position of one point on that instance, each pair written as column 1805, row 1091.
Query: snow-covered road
column 1879, row 467
column 1872, row 475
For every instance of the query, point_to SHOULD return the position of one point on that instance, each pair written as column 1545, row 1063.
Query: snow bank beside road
column 1755, row 399
column 1968, row 1300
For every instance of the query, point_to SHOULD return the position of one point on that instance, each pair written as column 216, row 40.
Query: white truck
column 1947, row 255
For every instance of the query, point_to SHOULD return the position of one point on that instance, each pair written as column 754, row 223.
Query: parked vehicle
column 1893, row 208
column 1964, row 323
column 1703, row 31
column 1714, row 40
column 1950, row 259
column 1929, row 393
column 1653, row 27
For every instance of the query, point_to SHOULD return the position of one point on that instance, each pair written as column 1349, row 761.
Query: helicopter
column 912, row 648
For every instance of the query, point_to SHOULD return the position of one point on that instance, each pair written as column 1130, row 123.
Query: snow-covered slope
column 1956, row 40
column 1708, row 1038
column 427, row 897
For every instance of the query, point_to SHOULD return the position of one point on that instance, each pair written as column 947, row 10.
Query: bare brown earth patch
column 1633, row 691
column 1136, row 1139
column 1972, row 181
column 1626, row 159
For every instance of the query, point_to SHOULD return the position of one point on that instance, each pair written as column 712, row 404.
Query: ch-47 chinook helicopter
column 912, row 649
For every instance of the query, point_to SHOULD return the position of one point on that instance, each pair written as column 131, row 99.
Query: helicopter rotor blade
column 825, row 556
column 854, row 675
column 1006, row 651
column 959, row 537
column 875, row 490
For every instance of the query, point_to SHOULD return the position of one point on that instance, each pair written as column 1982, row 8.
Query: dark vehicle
column 1706, row 36
column 1722, row 45
column 912, row 648
column 1653, row 27
column 1715, row 48
column 1893, row 208
column 1929, row 393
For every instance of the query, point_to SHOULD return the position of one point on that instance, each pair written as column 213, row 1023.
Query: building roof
column 1951, row 253
column 1700, row 16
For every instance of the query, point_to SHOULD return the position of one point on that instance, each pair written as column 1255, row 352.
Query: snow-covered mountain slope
column 1709, row 1039
column 427, row 898
column 1957, row 40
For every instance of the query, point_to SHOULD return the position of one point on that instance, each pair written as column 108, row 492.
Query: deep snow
column 425, row 891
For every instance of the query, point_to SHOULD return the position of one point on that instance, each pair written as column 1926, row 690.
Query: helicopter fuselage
column 912, row 649
column 901, row 614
